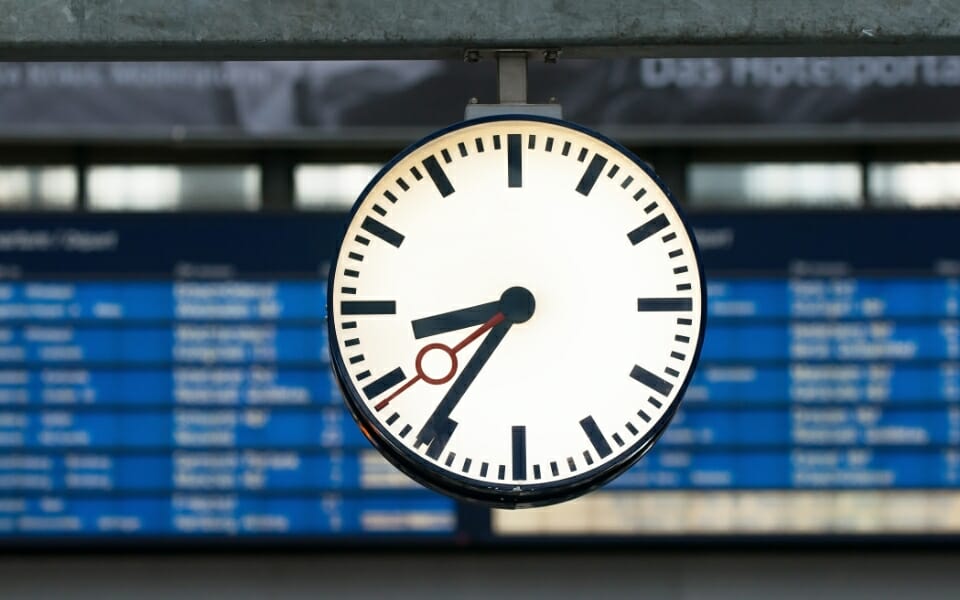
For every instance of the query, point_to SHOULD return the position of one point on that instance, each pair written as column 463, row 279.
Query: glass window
column 915, row 184
column 46, row 187
column 775, row 185
column 331, row 186
column 174, row 187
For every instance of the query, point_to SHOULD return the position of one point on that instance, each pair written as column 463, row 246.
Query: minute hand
column 439, row 427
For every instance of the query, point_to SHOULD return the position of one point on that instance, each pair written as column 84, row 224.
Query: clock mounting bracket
column 512, row 84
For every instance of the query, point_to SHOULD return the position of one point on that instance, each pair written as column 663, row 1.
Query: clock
column 515, row 310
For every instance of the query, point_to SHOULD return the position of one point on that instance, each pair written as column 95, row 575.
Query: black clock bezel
column 420, row 468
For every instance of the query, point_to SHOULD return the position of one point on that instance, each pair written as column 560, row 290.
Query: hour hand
column 454, row 320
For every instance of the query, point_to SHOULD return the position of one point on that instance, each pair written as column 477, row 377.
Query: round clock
column 515, row 310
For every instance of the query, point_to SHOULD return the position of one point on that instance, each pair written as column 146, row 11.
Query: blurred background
column 165, row 232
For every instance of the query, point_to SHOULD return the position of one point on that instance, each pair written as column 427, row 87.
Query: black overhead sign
column 399, row 99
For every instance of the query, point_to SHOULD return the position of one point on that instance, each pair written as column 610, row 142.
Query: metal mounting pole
column 512, row 86
column 512, row 77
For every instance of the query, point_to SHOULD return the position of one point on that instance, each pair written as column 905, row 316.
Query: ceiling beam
column 413, row 29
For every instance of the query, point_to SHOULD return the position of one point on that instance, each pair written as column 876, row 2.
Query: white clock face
column 515, row 310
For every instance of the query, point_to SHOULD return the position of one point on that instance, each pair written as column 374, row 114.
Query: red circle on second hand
column 453, row 363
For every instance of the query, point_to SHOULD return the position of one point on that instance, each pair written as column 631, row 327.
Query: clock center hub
column 517, row 304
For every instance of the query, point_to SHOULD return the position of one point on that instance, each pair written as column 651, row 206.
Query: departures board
column 165, row 379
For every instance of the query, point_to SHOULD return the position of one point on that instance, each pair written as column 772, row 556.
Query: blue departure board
column 166, row 377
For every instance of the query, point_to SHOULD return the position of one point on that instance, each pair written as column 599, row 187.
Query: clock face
column 515, row 310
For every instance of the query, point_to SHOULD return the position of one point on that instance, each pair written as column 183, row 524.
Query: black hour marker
column 641, row 194
column 446, row 156
column 647, row 229
column 463, row 148
column 595, row 436
column 654, row 382
column 555, row 469
column 484, row 467
column 549, row 146
column 403, row 184
column 384, row 383
column 416, row 173
column 514, row 161
column 566, row 149
column 362, row 376
column 591, row 174
column 355, row 359
column 626, row 182
column 375, row 227
column 355, row 256
column 613, row 171
column 393, row 418
column 438, row 175
column 536, row 472
column 450, row 458
column 368, row 307
column 496, row 142
column 644, row 416
column 654, row 402
column 519, row 452
column 631, row 428
column 351, row 273
column 618, row 439
column 479, row 142
column 664, row 304
column 583, row 155
column 406, row 429
column 349, row 325
column 466, row 465
column 502, row 472
column 390, row 196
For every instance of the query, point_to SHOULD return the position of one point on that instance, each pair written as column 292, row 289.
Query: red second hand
column 490, row 324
